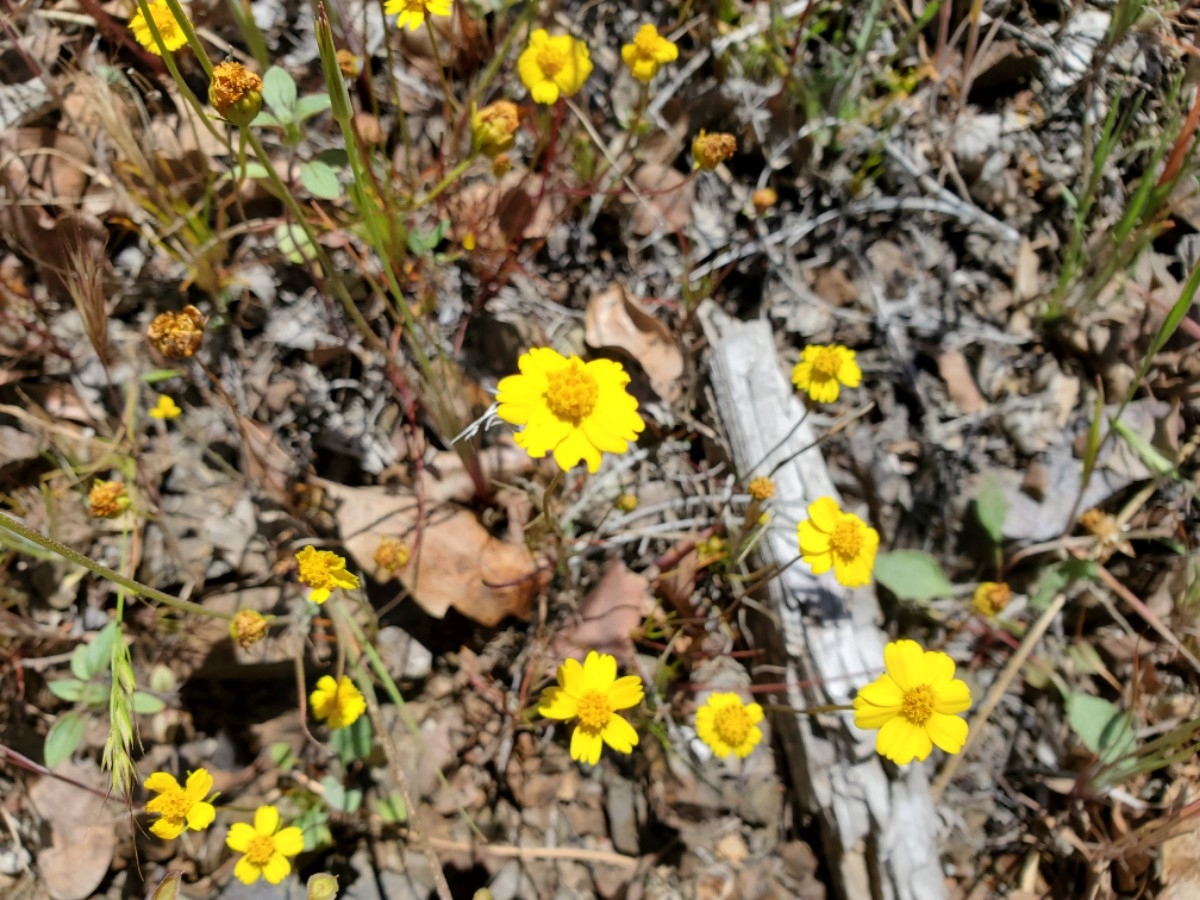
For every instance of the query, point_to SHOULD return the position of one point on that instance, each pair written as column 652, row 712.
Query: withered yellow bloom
column 235, row 93
column 556, row 66
column 411, row 14
column 248, row 627
column 164, row 20
column 991, row 598
column 761, row 488
column 649, row 52
column 578, row 411
column 107, row 499
column 177, row 335
column 710, row 150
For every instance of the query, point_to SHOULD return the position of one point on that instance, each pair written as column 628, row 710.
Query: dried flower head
column 991, row 598
column 627, row 503
column 180, row 807
column 411, row 14
column 349, row 63
column 727, row 725
column 107, row 499
column 337, row 702
column 235, row 93
column 593, row 694
column 165, row 408
column 1108, row 532
column 177, row 335
column 913, row 704
column 556, row 66
column 248, row 627
column 822, row 368
column 392, row 554
column 648, row 53
column 494, row 128
column 266, row 847
column 324, row 571
column 173, row 36
column 832, row 539
column 763, row 199
column 575, row 410
column 710, row 150
column 761, row 488
column 501, row 165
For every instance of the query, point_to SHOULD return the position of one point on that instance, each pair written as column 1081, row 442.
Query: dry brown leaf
column 608, row 616
column 614, row 319
column 960, row 383
column 518, row 207
column 458, row 564
column 82, row 834
column 668, row 195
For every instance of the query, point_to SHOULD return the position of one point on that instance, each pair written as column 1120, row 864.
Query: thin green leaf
column 1150, row 457
column 912, row 575
column 98, row 654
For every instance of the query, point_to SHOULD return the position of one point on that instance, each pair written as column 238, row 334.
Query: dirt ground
column 994, row 205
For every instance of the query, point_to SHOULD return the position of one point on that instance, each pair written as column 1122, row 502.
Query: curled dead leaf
column 614, row 319
column 667, row 194
column 609, row 615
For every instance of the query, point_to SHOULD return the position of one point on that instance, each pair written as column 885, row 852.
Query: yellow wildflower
column 107, row 499
column 324, row 571
column 165, row 408
column 761, row 488
column 180, row 807
column 728, row 725
column 266, row 847
column 710, row 150
column 553, row 66
column 832, row 539
column 164, row 20
column 648, row 53
column 570, row 408
column 337, row 703
column 822, row 368
column 248, row 627
column 913, row 704
column 990, row 598
column 177, row 335
column 494, row 128
column 235, row 93
column 411, row 14
column 592, row 693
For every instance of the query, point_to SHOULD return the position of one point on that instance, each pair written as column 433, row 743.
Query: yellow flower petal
column 903, row 660
column 626, row 692
column 199, row 785
column 901, row 741
column 558, row 704
column 167, row 829
column 266, row 819
column 619, row 735
column 246, row 872
column 599, row 671
column 160, row 782
column 586, row 746
column 571, row 677
column 276, row 869
column 948, row 732
column 200, row 816
column 239, row 837
column 289, row 841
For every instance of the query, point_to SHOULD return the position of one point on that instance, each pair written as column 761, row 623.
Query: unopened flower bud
column 494, row 128
column 627, row 503
column 235, row 93
column 761, row 488
column 763, row 199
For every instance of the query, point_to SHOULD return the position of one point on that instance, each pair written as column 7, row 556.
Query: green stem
column 134, row 587
column 450, row 178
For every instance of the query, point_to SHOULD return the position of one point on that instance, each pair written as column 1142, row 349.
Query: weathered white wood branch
column 879, row 828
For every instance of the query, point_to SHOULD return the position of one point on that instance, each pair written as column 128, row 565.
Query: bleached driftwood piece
column 880, row 831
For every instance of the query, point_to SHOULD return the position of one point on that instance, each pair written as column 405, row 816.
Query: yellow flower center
column 917, row 705
column 846, row 539
column 173, row 804
column 732, row 724
column 260, row 850
column 826, row 364
column 594, row 710
column 551, row 60
column 571, row 393
column 415, row 6
column 647, row 41
column 165, row 20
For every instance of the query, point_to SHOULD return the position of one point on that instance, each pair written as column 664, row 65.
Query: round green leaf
column 320, row 179
column 911, row 575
